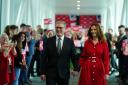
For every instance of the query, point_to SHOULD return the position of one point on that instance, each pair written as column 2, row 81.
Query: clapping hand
column 14, row 44
column 106, row 77
column 43, row 77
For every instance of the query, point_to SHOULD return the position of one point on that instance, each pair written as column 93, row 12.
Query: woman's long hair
column 100, row 34
column 21, row 45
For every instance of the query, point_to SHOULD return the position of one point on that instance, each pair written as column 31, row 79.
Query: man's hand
column 43, row 77
column 74, row 73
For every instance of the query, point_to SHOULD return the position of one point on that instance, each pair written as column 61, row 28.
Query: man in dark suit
column 119, row 52
column 58, row 51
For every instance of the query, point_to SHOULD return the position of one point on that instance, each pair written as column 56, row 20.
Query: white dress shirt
column 62, row 39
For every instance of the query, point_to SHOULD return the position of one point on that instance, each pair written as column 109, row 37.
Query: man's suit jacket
column 119, row 45
column 53, row 64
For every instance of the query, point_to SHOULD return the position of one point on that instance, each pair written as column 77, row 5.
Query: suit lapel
column 54, row 44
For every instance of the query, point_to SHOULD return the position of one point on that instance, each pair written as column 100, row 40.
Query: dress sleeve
column 106, row 58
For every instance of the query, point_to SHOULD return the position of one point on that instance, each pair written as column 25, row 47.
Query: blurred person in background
column 22, row 27
column 7, row 54
column 68, row 33
column 109, row 36
column 50, row 33
column 11, row 30
column 124, row 49
column 19, row 60
column 119, row 54
column 38, row 48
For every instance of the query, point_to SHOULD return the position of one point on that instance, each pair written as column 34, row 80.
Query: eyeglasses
column 60, row 27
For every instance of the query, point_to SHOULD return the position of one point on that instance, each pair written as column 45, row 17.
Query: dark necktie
column 59, row 45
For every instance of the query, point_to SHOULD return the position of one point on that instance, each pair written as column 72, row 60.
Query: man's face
column 110, row 31
column 126, row 33
column 13, row 32
column 60, row 29
column 121, row 31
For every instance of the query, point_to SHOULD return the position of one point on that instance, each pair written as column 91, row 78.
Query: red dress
column 94, row 63
column 5, row 76
column 12, row 74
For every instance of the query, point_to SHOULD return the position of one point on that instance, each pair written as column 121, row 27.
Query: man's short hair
column 22, row 25
column 13, row 27
column 45, row 30
column 61, row 22
column 121, row 26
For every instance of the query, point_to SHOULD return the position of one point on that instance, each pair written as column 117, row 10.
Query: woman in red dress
column 7, row 53
column 94, row 59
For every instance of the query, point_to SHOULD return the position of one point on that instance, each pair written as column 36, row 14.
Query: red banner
column 47, row 21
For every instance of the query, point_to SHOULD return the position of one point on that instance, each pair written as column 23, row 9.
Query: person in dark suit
column 119, row 52
column 55, row 64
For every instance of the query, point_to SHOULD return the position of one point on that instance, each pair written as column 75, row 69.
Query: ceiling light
column 78, row 8
column 78, row 1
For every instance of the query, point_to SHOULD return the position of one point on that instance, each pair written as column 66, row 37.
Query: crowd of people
column 59, row 52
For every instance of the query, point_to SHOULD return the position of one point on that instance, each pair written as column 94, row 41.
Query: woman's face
column 51, row 34
column 68, row 34
column 94, row 31
column 22, row 37
column 4, row 39
column 33, row 33
column 121, row 31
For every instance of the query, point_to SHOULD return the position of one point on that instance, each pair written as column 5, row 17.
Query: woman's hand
column 106, row 76
column 43, row 77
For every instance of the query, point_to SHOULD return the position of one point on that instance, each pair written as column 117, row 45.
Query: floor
column 73, row 80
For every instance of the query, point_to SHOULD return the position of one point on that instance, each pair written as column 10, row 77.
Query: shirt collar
column 62, row 38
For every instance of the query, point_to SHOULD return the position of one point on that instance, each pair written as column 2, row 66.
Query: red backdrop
column 83, row 20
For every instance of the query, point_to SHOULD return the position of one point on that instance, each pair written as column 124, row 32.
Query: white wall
column 31, row 12
column 115, row 14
